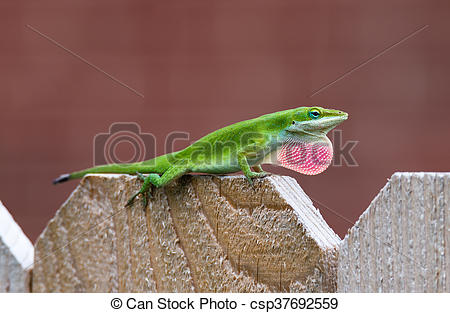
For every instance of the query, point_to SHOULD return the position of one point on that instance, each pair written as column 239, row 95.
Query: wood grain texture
column 401, row 243
column 16, row 255
column 200, row 233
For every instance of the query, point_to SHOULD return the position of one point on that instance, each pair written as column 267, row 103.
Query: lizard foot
column 145, row 195
column 256, row 175
column 145, row 192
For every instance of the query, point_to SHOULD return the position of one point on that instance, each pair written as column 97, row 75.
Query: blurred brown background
column 202, row 65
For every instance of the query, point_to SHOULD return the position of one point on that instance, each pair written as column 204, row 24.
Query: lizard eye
column 314, row 114
column 293, row 122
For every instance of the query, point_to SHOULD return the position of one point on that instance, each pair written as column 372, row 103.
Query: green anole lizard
column 294, row 138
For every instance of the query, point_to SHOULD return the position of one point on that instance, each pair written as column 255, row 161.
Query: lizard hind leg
column 155, row 180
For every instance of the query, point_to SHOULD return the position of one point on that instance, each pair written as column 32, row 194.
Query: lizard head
column 305, row 147
column 315, row 120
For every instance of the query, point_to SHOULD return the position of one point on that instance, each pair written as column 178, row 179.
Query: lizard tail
column 158, row 165
column 62, row 178
column 130, row 168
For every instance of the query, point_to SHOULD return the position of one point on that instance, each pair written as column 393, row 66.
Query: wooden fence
column 218, row 234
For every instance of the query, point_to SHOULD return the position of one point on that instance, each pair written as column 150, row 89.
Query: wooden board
column 201, row 233
column 401, row 243
column 16, row 255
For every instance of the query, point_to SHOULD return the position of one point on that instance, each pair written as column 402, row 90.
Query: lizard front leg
column 245, row 167
column 158, row 181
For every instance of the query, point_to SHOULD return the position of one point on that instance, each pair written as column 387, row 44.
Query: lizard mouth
column 322, row 125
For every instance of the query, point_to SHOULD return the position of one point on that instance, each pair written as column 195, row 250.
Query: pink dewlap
column 306, row 158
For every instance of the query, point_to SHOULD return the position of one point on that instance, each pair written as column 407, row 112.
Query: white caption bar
column 124, row 302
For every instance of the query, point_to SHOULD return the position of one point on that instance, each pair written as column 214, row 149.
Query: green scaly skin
column 236, row 147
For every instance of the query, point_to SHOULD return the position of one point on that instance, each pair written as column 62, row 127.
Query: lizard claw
column 140, row 176
column 144, row 201
column 263, row 174
column 145, row 194
column 256, row 175
column 131, row 200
